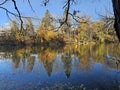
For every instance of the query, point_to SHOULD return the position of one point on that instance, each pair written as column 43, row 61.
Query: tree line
column 87, row 31
column 67, row 4
column 47, row 56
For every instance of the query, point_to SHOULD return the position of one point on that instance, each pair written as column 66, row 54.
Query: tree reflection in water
column 70, row 61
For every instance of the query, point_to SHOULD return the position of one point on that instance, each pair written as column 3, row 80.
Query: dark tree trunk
column 116, row 9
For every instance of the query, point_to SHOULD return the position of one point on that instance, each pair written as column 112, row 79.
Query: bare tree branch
column 3, row 2
column 31, row 6
column 16, row 8
column 45, row 2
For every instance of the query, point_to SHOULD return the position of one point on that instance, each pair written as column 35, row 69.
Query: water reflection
column 47, row 57
column 75, row 64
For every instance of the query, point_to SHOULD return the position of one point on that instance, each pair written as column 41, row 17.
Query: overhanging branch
column 16, row 8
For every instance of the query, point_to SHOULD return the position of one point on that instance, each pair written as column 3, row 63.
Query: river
column 72, row 67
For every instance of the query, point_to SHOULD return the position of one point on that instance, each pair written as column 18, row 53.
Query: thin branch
column 8, row 16
column 16, row 15
column 8, row 11
column 31, row 6
column 3, row 2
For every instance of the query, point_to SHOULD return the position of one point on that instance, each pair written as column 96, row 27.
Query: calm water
column 88, row 67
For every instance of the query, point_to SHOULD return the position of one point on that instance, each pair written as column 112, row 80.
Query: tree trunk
column 116, row 9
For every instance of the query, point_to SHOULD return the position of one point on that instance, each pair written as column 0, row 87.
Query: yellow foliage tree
column 45, row 31
column 84, row 30
column 98, row 27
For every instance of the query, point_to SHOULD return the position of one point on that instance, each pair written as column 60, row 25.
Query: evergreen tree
column 46, row 22
column 45, row 31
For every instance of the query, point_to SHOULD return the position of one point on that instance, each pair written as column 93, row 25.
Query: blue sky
column 86, row 7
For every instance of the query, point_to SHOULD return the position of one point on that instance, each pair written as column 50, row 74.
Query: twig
column 3, row 2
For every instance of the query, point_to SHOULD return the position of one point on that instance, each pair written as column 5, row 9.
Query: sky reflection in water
column 72, row 67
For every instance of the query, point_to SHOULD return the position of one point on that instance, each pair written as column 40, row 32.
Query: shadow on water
column 72, row 67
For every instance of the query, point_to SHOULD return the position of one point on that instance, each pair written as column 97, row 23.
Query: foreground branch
column 16, row 8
